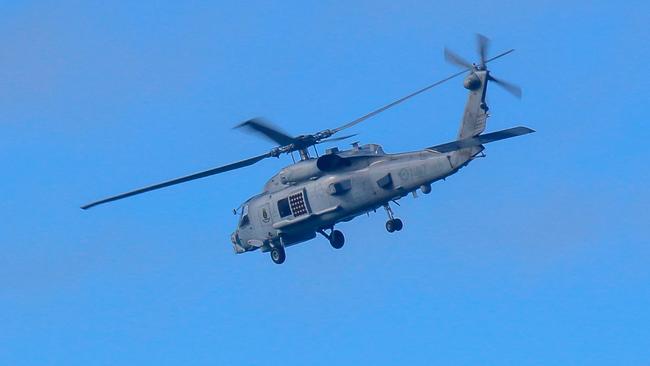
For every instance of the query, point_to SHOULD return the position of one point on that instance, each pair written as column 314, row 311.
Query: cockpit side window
column 244, row 220
column 283, row 207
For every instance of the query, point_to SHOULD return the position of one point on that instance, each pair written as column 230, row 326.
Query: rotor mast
column 304, row 154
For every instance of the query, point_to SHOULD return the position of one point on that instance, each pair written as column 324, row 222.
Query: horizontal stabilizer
column 481, row 139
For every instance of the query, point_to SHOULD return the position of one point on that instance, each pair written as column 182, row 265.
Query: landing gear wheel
column 277, row 255
column 390, row 226
column 337, row 239
column 393, row 225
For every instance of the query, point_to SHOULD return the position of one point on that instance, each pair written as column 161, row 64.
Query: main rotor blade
column 266, row 129
column 336, row 138
column 483, row 43
column 453, row 58
column 500, row 55
column 509, row 87
column 398, row 101
column 203, row 174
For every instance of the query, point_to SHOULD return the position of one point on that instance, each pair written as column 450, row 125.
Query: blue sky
column 536, row 255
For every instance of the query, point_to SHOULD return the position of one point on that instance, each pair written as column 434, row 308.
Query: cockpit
column 243, row 217
column 242, row 225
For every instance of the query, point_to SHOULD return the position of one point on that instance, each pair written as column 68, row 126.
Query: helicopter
column 313, row 195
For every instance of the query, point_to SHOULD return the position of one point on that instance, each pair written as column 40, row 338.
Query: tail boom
column 481, row 139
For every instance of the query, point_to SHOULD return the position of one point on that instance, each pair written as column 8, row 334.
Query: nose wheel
column 393, row 224
column 278, row 255
column 277, row 252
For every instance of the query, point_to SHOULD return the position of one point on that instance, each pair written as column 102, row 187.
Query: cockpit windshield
column 243, row 219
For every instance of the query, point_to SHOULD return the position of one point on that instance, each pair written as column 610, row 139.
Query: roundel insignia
column 404, row 174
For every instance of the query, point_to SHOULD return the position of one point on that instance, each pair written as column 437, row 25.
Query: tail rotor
column 482, row 47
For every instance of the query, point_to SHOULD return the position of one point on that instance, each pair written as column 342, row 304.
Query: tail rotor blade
column 453, row 58
column 509, row 87
column 483, row 43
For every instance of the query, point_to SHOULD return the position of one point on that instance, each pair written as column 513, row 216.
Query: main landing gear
column 393, row 224
column 336, row 238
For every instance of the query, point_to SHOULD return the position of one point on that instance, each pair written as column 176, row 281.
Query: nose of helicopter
column 236, row 242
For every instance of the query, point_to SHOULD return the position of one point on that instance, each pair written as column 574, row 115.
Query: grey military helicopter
column 311, row 196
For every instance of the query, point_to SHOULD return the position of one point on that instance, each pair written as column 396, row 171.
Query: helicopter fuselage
column 315, row 194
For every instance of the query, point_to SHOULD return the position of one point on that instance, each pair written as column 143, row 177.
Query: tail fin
column 475, row 114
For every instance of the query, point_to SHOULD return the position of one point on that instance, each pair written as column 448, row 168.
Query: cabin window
column 283, row 207
column 244, row 220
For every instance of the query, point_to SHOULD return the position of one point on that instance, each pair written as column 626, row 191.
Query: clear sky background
column 537, row 255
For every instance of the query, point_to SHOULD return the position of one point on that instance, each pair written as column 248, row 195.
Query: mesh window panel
column 297, row 202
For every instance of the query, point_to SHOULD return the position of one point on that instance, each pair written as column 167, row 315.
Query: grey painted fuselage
column 372, row 180
column 302, row 198
column 312, row 196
